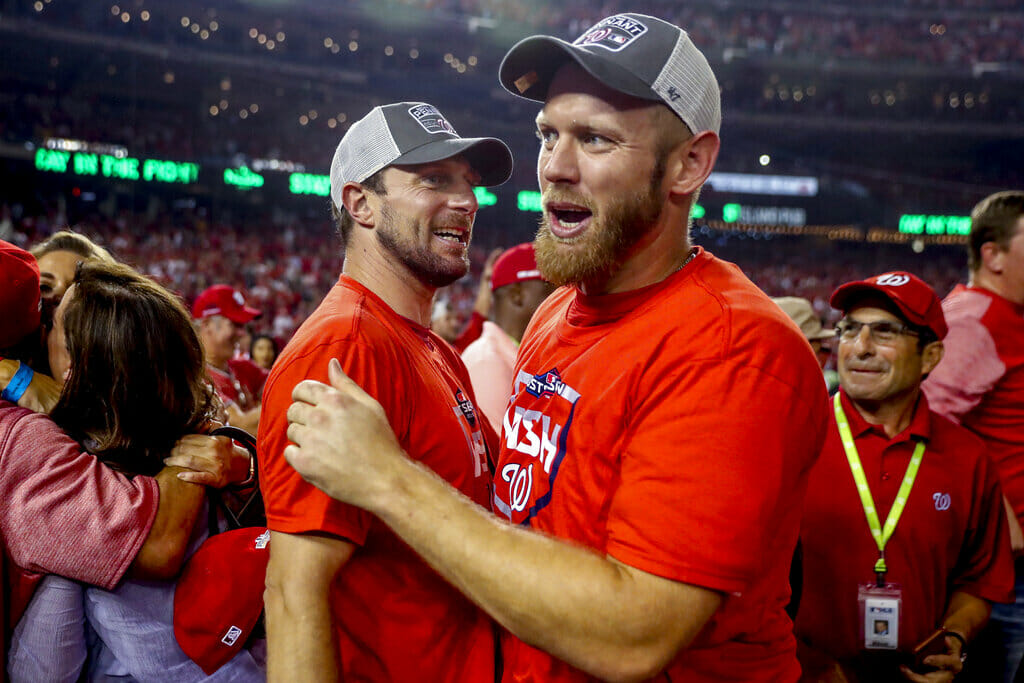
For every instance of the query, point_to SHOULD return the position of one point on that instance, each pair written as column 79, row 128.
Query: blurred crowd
column 286, row 269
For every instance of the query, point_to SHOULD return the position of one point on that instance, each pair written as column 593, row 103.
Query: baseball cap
column 224, row 300
column 411, row 133
column 802, row 313
column 19, row 294
column 636, row 54
column 517, row 264
column 916, row 300
column 218, row 598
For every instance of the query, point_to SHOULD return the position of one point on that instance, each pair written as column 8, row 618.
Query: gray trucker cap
column 411, row 133
column 636, row 54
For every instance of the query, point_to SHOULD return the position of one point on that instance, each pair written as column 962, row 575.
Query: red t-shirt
column 980, row 381
column 672, row 428
column 240, row 384
column 396, row 619
column 952, row 535
column 62, row 512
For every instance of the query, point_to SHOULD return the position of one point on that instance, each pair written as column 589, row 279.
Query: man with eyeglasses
column 912, row 497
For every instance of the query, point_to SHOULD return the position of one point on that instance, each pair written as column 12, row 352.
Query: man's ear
column 993, row 257
column 931, row 355
column 355, row 199
column 691, row 162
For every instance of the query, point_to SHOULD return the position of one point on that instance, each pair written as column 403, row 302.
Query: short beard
column 598, row 254
column 426, row 266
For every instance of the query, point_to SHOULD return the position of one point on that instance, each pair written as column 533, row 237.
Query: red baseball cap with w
column 226, row 301
column 911, row 295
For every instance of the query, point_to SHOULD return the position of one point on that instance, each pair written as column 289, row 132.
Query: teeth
column 452, row 237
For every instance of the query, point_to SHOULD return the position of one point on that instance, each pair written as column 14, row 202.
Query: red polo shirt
column 952, row 535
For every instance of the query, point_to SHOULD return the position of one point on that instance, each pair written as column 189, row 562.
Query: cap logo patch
column 231, row 636
column 892, row 280
column 431, row 119
column 613, row 33
column 237, row 296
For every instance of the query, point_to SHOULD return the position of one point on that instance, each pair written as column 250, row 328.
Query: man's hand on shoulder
column 342, row 442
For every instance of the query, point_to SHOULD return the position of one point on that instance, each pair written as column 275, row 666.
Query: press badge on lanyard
column 879, row 603
column 879, row 609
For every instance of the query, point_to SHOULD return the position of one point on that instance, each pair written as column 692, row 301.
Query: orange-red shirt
column 952, row 535
column 396, row 619
column 672, row 428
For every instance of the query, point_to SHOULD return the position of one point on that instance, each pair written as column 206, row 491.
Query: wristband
column 963, row 642
column 19, row 383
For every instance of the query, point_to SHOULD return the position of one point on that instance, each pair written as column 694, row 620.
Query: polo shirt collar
column 920, row 427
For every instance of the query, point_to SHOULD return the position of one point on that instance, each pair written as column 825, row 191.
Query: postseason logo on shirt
column 535, row 430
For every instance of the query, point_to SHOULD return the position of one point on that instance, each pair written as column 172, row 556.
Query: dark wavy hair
column 137, row 382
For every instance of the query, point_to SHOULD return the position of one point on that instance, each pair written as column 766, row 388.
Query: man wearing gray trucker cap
column 345, row 599
column 664, row 413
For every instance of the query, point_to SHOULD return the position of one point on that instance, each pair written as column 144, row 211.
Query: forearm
column 301, row 643
column 966, row 614
column 592, row 612
column 163, row 551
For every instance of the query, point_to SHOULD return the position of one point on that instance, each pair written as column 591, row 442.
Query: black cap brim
column 531, row 64
column 490, row 157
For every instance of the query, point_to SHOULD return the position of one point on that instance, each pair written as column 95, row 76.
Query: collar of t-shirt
column 920, row 426
column 588, row 311
column 422, row 332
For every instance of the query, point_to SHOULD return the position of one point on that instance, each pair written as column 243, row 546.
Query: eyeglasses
column 882, row 332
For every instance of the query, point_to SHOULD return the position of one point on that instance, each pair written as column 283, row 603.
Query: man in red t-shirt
column 346, row 599
column 665, row 413
column 222, row 316
column 895, row 476
column 981, row 382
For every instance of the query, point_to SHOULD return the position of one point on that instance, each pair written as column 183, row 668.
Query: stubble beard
column 397, row 235
column 597, row 254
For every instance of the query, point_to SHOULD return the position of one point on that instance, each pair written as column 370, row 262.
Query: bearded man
column 664, row 414
column 345, row 599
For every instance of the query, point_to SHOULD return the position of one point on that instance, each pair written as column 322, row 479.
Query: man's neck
column 392, row 282
column 893, row 414
column 983, row 279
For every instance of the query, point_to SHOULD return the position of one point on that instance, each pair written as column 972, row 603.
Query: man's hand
column 40, row 395
column 948, row 665
column 213, row 460
column 342, row 442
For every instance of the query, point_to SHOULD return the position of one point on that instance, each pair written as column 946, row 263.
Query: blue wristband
column 18, row 384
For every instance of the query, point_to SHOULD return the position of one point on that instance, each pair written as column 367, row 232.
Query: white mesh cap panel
column 367, row 147
column 689, row 87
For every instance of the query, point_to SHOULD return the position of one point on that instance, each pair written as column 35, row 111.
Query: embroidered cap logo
column 431, row 119
column 892, row 280
column 613, row 33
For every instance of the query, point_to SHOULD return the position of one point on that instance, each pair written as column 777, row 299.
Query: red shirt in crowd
column 952, row 535
column 671, row 428
column 396, row 619
column 980, row 381
column 240, row 384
